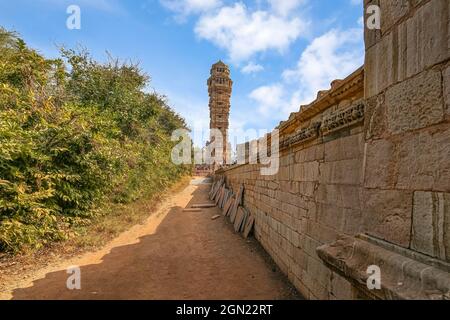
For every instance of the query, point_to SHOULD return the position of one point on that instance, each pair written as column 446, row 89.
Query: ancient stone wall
column 315, row 195
column 407, row 174
column 365, row 170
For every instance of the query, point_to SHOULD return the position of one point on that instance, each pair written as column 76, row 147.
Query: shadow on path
column 189, row 256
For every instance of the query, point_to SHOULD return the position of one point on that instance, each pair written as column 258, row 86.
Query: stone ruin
column 364, row 177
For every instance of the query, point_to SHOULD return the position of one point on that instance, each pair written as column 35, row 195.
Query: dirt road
column 174, row 255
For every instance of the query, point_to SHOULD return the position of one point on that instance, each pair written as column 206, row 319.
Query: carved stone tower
column 220, row 88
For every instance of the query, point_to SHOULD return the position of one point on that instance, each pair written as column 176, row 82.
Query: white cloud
column 184, row 8
column 252, row 67
column 284, row 7
column 269, row 98
column 356, row 2
column 334, row 55
column 243, row 32
column 331, row 56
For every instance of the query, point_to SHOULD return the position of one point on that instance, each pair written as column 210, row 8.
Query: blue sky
column 281, row 52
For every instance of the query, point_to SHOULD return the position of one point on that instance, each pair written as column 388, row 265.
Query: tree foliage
column 73, row 132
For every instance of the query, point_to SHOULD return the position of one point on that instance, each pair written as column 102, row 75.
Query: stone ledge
column 405, row 274
column 343, row 119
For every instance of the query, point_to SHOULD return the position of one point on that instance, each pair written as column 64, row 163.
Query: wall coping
column 405, row 274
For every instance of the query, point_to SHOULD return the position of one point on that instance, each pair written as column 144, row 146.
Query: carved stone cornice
column 342, row 119
column 351, row 86
column 303, row 135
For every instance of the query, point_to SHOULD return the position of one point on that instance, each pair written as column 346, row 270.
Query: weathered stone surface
column 307, row 188
column 284, row 173
column 351, row 147
column 376, row 122
column 446, row 76
column 341, row 289
column 415, row 103
column 380, row 164
column 388, row 178
column 392, row 11
column 427, row 37
column 403, row 276
column 413, row 45
column 308, row 171
column 431, row 224
column 387, row 215
column 341, row 172
column 379, row 66
column 318, row 271
column 352, row 221
column 423, row 160
column 343, row 196
column 331, row 216
column 310, row 154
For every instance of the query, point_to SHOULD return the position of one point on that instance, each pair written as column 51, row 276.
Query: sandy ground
column 173, row 255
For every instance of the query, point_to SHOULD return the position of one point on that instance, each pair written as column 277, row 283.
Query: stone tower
column 219, row 89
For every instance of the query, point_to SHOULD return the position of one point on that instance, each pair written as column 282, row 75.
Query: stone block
column 307, row 188
column 318, row 271
column 375, row 124
column 310, row 246
column 352, row 224
column 320, row 232
column 351, row 147
column 424, row 160
column 344, row 196
column 446, row 77
column 379, row 67
column 392, row 11
column 415, row 103
column 289, row 186
column 308, row 171
column 431, row 224
column 414, row 45
column 283, row 173
column 380, row 166
column 289, row 209
column 387, row 215
column 330, row 216
column 341, row 172
column 427, row 37
column 310, row 154
column 341, row 288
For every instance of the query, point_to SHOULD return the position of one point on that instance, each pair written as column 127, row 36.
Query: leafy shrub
column 73, row 137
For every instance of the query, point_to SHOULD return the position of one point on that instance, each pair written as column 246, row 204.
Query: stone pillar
column 406, row 194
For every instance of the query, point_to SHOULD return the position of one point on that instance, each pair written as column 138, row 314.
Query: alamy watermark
column 73, row 21
column 374, row 279
column 218, row 150
column 74, row 280
column 373, row 18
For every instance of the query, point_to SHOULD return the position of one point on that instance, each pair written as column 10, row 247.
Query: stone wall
column 315, row 195
column 407, row 174
column 365, row 169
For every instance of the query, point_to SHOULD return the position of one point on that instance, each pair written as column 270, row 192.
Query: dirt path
column 174, row 255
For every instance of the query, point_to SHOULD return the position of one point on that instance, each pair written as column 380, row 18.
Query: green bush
column 74, row 132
